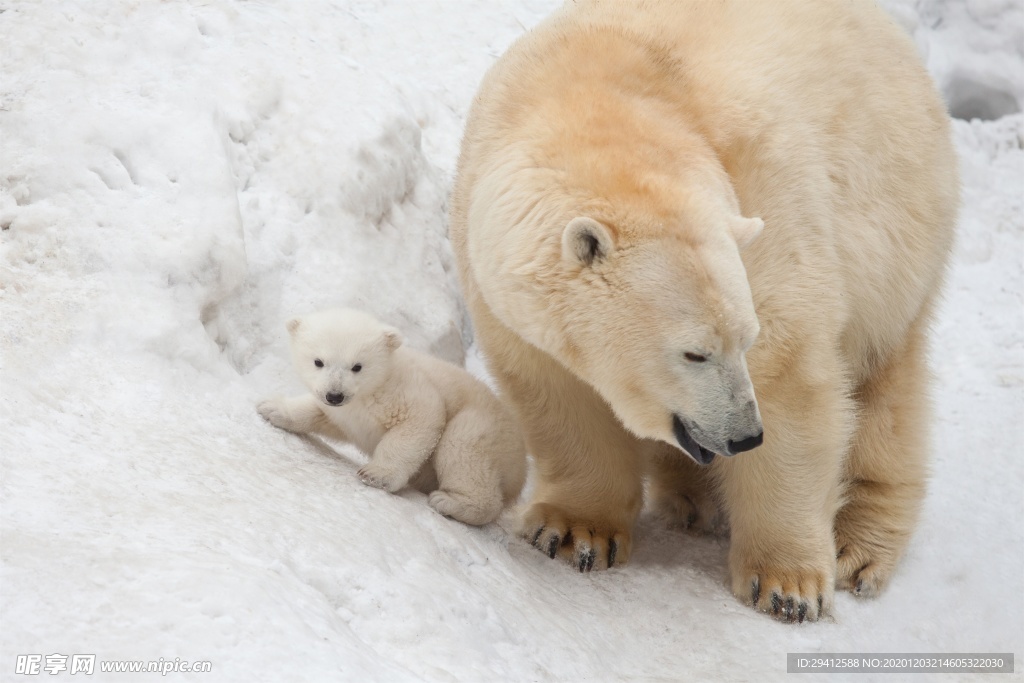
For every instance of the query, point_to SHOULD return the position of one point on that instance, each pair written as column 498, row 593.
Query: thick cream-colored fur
column 708, row 218
column 423, row 421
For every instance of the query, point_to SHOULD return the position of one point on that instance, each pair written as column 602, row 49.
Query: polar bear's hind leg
column 886, row 470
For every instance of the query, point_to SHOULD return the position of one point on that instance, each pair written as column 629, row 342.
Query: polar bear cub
column 423, row 421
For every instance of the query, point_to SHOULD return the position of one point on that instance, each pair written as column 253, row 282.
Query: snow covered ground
column 177, row 178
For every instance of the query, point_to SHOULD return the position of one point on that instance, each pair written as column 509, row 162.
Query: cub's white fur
column 423, row 421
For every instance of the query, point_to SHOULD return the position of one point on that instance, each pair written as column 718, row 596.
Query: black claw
column 580, row 561
column 536, row 537
column 585, row 562
column 553, row 546
column 613, row 548
column 821, row 602
column 755, row 591
column 691, row 519
column 860, row 587
column 801, row 612
column 776, row 603
column 790, row 608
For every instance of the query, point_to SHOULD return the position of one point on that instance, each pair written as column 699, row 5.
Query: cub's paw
column 585, row 544
column 793, row 595
column 864, row 562
column 274, row 411
column 379, row 477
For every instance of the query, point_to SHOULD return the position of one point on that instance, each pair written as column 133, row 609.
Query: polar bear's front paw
column 694, row 513
column 788, row 594
column 585, row 544
column 275, row 412
column 373, row 474
column 680, row 493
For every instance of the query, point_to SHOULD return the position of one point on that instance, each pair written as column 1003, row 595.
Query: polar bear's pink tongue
column 700, row 455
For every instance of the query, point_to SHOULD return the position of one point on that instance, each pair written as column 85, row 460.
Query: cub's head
column 341, row 353
column 651, row 308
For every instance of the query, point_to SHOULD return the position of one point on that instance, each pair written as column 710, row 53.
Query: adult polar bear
column 603, row 219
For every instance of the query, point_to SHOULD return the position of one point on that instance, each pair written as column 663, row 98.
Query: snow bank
column 176, row 179
column 973, row 48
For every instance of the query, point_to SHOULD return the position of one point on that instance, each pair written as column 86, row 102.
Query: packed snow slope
column 178, row 178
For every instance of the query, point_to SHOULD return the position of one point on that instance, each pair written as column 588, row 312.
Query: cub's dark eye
column 694, row 357
column 319, row 363
column 357, row 367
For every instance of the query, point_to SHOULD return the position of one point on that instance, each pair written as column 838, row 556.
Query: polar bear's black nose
column 746, row 444
column 335, row 399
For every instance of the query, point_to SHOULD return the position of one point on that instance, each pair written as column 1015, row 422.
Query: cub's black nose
column 747, row 444
column 336, row 400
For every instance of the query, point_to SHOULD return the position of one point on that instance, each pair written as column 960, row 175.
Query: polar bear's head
column 649, row 305
column 673, row 363
column 342, row 353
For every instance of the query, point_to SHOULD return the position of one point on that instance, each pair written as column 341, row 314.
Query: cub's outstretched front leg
column 588, row 491
column 300, row 414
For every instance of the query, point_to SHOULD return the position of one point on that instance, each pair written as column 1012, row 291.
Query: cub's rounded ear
column 293, row 325
column 392, row 338
column 745, row 230
column 584, row 240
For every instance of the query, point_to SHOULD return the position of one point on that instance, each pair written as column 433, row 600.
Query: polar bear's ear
column 392, row 338
column 585, row 240
column 745, row 230
column 292, row 325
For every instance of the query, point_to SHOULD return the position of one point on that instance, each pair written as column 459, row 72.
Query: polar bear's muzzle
column 704, row 456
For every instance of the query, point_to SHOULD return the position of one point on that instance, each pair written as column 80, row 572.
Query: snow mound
column 973, row 48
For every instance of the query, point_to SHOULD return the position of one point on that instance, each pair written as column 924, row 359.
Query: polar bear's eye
column 357, row 367
column 694, row 357
column 319, row 363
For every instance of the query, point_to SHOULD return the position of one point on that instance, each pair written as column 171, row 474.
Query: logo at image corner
column 35, row 664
